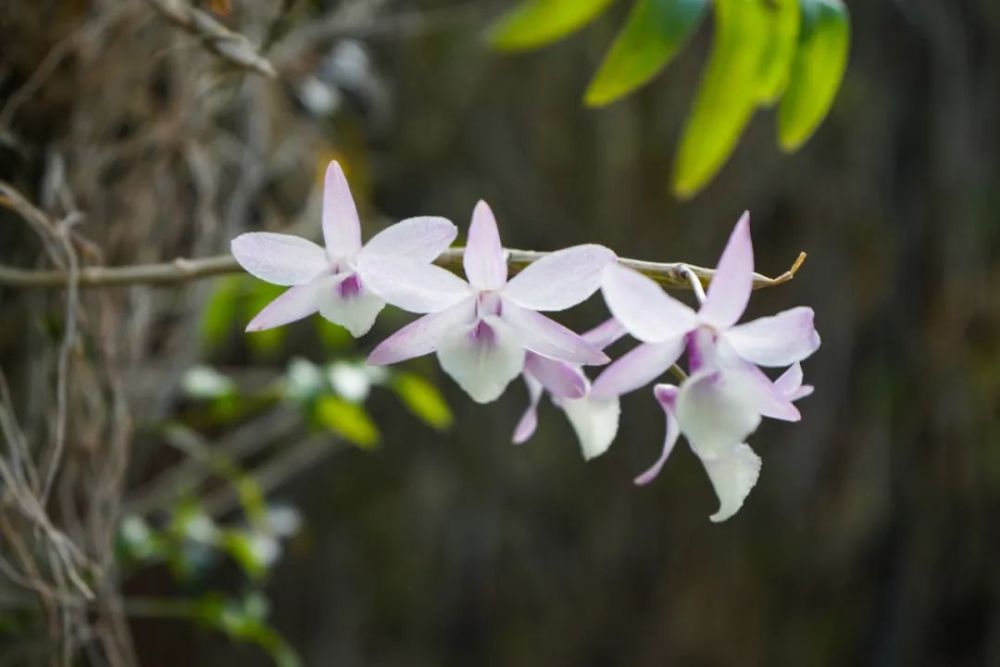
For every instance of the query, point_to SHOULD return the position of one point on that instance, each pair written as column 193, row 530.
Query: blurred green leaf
column 535, row 23
column 423, row 399
column 653, row 34
column 817, row 71
column 253, row 552
column 333, row 335
column 245, row 620
column 348, row 420
column 727, row 95
column 221, row 310
column 776, row 63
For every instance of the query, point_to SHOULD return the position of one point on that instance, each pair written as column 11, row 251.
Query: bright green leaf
column 776, row 64
column 817, row 71
column 348, row 420
column 727, row 96
column 653, row 34
column 423, row 399
column 535, row 23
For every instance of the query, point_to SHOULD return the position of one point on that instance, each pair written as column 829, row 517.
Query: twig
column 673, row 275
column 228, row 45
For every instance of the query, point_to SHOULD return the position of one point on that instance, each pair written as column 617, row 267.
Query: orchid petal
column 549, row 338
column 643, row 308
column 778, row 340
column 483, row 359
column 558, row 377
column 349, row 304
column 729, row 291
column 529, row 420
column 485, row 260
column 716, row 411
column 595, row 422
column 637, row 368
column 420, row 239
column 606, row 333
column 415, row 286
column 281, row 259
column 790, row 384
column 733, row 475
column 560, row 280
column 766, row 398
column 801, row 392
column 666, row 394
column 341, row 225
column 293, row 304
column 423, row 336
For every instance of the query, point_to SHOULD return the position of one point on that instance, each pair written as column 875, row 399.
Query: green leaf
column 727, row 95
column 817, row 71
column 348, row 420
column 220, row 310
column 653, row 34
column 776, row 64
column 423, row 399
column 535, row 23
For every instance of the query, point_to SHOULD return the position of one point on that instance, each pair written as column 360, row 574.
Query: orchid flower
column 711, row 410
column 332, row 280
column 595, row 421
column 482, row 329
column 665, row 326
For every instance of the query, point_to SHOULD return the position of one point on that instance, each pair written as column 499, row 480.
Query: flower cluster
column 488, row 329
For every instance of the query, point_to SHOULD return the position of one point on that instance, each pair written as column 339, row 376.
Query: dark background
column 872, row 536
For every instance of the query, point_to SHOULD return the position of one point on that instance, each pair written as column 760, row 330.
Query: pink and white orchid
column 334, row 280
column 665, row 326
column 594, row 420
column 481, row 329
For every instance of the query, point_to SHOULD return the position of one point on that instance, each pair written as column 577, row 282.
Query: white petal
column 529, row 420
column 417, row 287
column 715, row 412
column 485, row 260
column 350, row 304
column 604, row 334
column 421, row 239
column 643, row 308
column 549, row 338
column 637, row 368
column 778, row 340
column 560, row 280
column 281, row 259
column 666, row 394
column 341, row 226
column 423, row 336
column 729, row 291
column 293, row 304
column 595, row 422
column 558, row 377
column 732, row 475
column 483, row 359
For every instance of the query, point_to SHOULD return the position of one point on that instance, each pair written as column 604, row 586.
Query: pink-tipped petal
column 423, row 336
column 595, row 422
column 419, row 239
column 637, row 368
column 560, row 280
column 529, row 420
column 415, row 286
column 643, row 308
column 350, row 304
column 341, row 225
column 293, row 304
column 558, row 377
column 604, row 334
column 733, row 476
column 485, row 260
column 778, row 340
column 483, row 359
column 729, row 291
column 549, row 338
column 281, row 259
column 666, row 395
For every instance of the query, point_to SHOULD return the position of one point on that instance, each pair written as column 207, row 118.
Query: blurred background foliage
column 252, row 499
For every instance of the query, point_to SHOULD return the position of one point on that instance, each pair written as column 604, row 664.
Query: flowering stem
column 673, row 275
